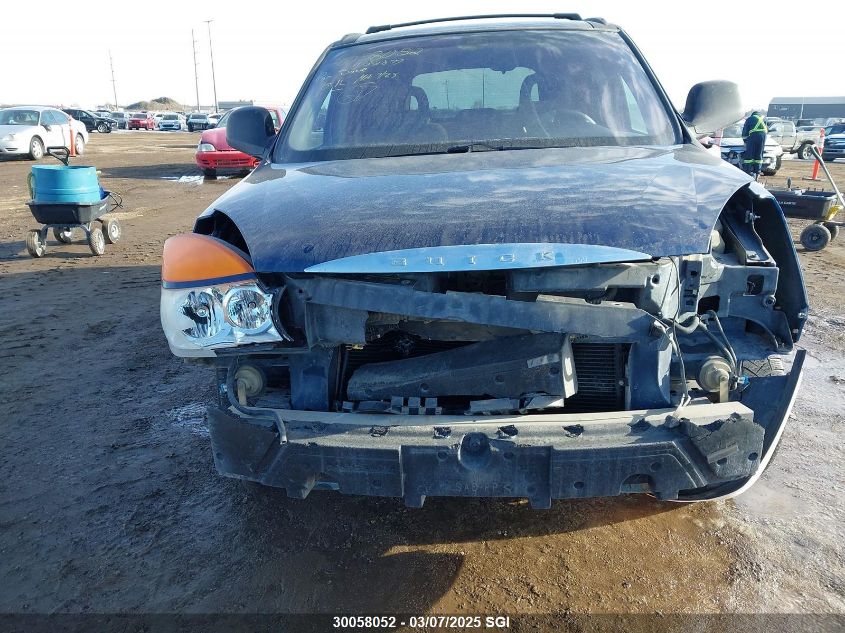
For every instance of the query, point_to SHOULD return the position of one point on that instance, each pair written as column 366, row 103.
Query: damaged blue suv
column 486, row 257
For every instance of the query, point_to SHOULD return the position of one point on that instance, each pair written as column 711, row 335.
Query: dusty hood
column 654, row 201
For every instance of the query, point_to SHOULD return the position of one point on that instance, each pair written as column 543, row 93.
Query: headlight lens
column 9, row 137
column 202, row 308
column 206, row 147
column 197, row 321
column 248, row 309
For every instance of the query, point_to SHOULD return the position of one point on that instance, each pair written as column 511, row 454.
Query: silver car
column 30, row 130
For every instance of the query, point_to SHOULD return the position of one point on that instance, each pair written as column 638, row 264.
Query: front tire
column 804, row 152
column 97, row 241
column 80, row 145
column 36, row 149
column 771, row 366
column 102, row 128
column 35, row 246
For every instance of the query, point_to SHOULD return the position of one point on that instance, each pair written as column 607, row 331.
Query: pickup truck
column 791, row 140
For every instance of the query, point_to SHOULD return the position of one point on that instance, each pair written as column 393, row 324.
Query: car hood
column 217, row 137
column 656, row 202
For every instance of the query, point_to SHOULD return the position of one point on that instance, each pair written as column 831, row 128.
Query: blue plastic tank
column 57, row 183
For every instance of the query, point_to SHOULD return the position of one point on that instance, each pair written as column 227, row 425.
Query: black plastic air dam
column 538, row 457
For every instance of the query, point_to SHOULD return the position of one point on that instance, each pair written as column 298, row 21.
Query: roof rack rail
column 556, row 16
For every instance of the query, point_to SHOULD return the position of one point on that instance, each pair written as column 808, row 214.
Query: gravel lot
column 109, row 501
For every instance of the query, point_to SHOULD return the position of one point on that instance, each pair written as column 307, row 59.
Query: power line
column 211, row 53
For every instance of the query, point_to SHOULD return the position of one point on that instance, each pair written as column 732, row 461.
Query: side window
column 636, row 121
column 275, row 118
column 47, row 118
column 59, row 117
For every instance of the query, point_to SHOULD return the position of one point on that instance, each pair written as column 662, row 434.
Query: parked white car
column 171, row 121
column 30, row 130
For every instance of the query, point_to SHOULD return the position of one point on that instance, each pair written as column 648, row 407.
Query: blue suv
column 486, row 256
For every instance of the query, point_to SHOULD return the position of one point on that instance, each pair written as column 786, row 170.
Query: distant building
column 794, row 108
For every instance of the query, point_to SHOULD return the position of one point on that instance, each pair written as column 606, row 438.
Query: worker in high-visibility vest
column 754, row 134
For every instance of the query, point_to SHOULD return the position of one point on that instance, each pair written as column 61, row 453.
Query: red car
column 214, row 154
column 142, row 120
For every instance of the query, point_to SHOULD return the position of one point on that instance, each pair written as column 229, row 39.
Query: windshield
column 834, row 129
column 18, row 117
column 139, row 115
column 501, row 89
column 171, row 117
column 197, row 116
column 733, row 131
column 224, row 119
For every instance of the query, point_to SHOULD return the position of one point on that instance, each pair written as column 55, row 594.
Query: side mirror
column 712, row 105
column 47, row 126
column 250, row 130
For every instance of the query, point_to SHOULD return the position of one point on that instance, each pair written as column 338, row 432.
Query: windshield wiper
column 481, row 146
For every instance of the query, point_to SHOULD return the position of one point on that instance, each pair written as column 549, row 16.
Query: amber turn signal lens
column 192, row 259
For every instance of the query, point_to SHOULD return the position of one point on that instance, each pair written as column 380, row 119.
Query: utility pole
column 113, row 84
column 196, row 76
column 211, row 52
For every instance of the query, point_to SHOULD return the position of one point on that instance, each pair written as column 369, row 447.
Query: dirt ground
column 109, row 501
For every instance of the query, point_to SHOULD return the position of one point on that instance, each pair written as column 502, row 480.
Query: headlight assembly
column 197, row 321
column 8, row 137
column 211, row 298
column 206, row 147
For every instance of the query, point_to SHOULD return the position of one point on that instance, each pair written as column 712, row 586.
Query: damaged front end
column 557, row 371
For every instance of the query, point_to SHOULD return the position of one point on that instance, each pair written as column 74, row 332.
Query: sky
column 264, row 50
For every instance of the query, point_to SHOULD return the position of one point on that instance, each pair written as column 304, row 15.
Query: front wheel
column 102, row 128
column 97, row 241
column 112, row 230
column 36, row 246
column 804, row 152
column 79, row 145
column 190, row 128
column 815, row 237
column 36, row 148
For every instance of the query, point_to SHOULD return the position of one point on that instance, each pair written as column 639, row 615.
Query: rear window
column 503, row 89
